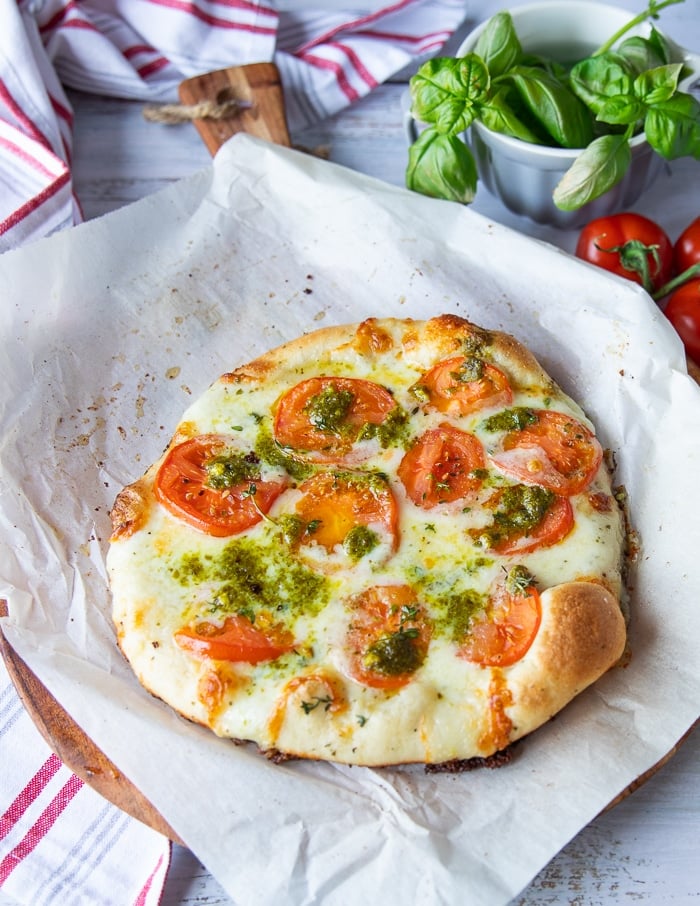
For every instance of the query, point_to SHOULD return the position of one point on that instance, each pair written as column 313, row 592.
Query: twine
column 184, row 113
column 171, row 114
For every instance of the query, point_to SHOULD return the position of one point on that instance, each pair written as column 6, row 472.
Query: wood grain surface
column 75, row 749
column 257, row 86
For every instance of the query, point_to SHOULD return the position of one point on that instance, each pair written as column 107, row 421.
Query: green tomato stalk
column 690, row 274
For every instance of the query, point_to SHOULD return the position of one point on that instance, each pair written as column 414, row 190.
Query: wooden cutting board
column 258, row 90
column 261, row 114
column 75, row 749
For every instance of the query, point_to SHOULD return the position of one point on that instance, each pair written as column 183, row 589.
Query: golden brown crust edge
column 444, row 334
column 583, row 635
column 130, row 508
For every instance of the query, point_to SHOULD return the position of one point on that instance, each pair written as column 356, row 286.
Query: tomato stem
column 692, row 272
column 634, row 256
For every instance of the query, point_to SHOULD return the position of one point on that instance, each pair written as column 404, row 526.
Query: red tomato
column 236, row 639
column 303, row 422
column 183, row 486
column 442, row 466
column 388, row 636
column 686, row 251
column 683, row 311
column 555, row 452
column 630, row 246
column 507, row 630
column 555, row 525
column 335, row 504
column 449, row 388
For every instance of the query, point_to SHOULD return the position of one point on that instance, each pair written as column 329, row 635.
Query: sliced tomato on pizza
column 507, row 627
column 549, row 449
column 388, row 636
column 355, row 511
column 443, row 465
column 326, row 416
column 236, row 639
column 525, row 518
column 214, row 487
column 463, row 384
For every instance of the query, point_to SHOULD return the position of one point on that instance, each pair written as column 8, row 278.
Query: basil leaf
column 498, row 44
column 446, row 92
column 558, row 70
column 598, row 168
column 622, row 110
column 673, row 127
column 658, row 85
column 596, row 79
column 498, row 115
column 560, row 112
column 641, row 54
column 441, row 166
column 660, row 45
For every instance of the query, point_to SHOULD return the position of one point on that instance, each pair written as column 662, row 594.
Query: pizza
column 382, row 543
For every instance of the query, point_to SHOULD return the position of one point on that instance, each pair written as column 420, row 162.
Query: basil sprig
column 598, row 104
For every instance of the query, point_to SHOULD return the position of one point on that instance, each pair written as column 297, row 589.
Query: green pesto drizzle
column 190, row 570
column 456, row 610
column 291, row 527
column 231, row 468
column 475, row 343
column 359, row 541
column 250, row 576
column 270, row 452
column 420, row 392
column 471, row 369
column 515, row 419
column 521, row 508
column 392, row 432
column 395, row 654
column 328, row 410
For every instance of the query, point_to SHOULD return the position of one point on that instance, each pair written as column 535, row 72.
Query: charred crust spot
column 277, row 757
column 252, row 373
column 601, row 503
column 128, row 512
column 462, row 765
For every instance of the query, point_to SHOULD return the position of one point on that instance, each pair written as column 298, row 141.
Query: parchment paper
column 110, row 330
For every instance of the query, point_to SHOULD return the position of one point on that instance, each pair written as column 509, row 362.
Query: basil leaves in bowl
column 566, row 109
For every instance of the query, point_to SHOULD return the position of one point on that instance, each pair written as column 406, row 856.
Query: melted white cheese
column 443, row 713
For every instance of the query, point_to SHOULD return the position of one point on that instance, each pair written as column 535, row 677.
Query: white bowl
column 525, row 175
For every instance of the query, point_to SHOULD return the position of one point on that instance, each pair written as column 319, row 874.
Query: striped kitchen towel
column 143, row 49
column 61, row 842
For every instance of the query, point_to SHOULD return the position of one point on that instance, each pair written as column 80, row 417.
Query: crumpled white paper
column 110, row 330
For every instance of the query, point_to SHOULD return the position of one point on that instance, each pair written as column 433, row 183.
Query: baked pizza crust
column 583, row 633
column 453, row 710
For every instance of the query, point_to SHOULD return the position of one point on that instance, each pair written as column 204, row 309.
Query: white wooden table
column 646, row 849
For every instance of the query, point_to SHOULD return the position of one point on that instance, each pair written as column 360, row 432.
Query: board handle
column 256, row 87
